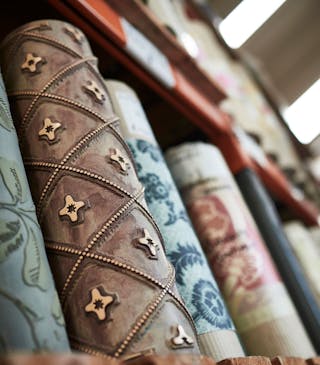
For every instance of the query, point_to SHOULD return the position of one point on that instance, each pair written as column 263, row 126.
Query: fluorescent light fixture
column 189, row 44
column 245, row 19
column 303, row 116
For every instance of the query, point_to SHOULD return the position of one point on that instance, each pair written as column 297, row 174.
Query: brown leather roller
column 116, row 286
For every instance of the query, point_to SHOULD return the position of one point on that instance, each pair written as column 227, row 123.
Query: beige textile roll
column 258, row 302
column 315, row 234
column 306, row 251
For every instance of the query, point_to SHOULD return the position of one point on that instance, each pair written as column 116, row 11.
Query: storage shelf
column 193, row 93
column 186, row 359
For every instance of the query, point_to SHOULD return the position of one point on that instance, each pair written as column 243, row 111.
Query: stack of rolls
column 196, row 284
column 259, row 304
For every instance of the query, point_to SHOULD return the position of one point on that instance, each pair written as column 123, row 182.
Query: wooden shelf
column 196, row 99
column 173, row 359
column 192, row 92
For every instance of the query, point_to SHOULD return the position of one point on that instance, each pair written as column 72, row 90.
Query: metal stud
column 32, row 63
column 93, row 89
column 148, row 245
column 49, row 128
column 99, row 303
column 71, row 208
column 75, row 34
column 181, row 339
column 119, row 159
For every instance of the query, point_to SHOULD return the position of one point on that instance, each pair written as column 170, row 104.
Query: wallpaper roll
column 258, row 301
column 115, row 283
column 315, row 234
column 30, row 313
column 195, row 282
column 307, row 254
column 271, row 228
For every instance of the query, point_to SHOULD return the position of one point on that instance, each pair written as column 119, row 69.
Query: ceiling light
column 245, row 19
column 303, row 116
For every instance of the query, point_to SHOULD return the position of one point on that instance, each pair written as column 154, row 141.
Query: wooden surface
column 279, row 360
column 81, row 359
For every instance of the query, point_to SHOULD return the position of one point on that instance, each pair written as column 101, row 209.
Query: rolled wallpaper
column 315, row 234
column 307, row 254
column 258, row 301
column 30, row 313
column 115, row 283
column 195, row 282
column 270, row 226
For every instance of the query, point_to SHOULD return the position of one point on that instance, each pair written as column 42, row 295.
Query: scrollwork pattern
column 193, row 276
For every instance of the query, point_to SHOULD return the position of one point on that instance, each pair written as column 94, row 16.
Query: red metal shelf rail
column 194, row 94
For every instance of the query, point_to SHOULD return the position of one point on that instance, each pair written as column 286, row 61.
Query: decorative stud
column 31, row 63
column 182, row 339
column 148, row 245
column 93, row 89
column 49, row 128
column 44, row 26
column 119, row 159
column 71, row 208
column 99, row 303
column 75, row 34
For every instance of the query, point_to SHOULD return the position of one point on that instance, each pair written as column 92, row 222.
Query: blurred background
column 280, row 40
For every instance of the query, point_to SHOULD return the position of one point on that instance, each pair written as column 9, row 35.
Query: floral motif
column 154, row 151
column 155, row 190
column 208, row 303
column 185, row 255
column 18, row 227
column 5, row 116
column 193, row 276
column 22, row 249
column 231, row 253
column 29, row 314
column 245, row 265
column 11, row 237
column 135, row 157
column 174, row 216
